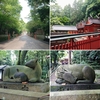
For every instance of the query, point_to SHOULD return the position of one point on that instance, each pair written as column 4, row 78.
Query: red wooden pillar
column 89, row 40
column 66, row 44
column 63, row 46
column 59, row 46
column 55, row 47
column 79, row 44
column 82, row 43
column 76, row 43
column 99, row 41
column 72, row 42
column 52, row 47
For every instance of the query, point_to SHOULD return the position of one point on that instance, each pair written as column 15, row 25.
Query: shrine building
column 60, row 29
column 89, row 26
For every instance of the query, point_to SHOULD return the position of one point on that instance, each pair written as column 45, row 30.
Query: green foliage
column 93, row 8
column 39, row 16
column 53, row 0
column 56, row 10
column 55, row 56
column 55, row 21
column 67, row 11
column 10, row 17
column 90, row 57
column 80, row 10
column 65, row 20
column 4, row 37
column 42, row 56
column 76, row 13
column 5, row 57
column 56, row 15
column 76, row 59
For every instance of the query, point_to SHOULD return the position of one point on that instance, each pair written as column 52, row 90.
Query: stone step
column 10, row 94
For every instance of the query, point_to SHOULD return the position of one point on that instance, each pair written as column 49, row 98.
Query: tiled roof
column 96, row 21
column 63, row 28
column 81, row 24
column 88, row 22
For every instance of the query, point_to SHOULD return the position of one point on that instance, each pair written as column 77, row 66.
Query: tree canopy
column 39, row 16
column 55, row 56
column 90, row 57
column 10, row 17
column 10, row 21
column 71, row 15
column 5, row 57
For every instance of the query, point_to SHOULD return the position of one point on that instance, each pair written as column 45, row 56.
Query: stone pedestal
column 9, row 94
column 76, row 95
column 36, row 87
column 74, row 87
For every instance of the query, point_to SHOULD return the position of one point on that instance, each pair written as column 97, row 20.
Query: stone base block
column 8, row 94
column 36, row 87
column 74, row 87
column 76, row 95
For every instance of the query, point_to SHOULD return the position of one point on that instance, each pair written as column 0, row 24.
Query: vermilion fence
column 92, row 42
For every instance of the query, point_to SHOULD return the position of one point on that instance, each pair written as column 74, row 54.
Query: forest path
column 24, row 42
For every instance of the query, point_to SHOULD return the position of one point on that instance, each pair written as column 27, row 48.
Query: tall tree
column 21, row 57
column 39, row 16
column 90, row 57
column 77, row 14
column 58, row 16
column 10, row 16
column 92, row 8
column 67, row 10
column 78, row 11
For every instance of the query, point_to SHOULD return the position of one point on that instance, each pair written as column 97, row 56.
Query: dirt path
column 24, row 42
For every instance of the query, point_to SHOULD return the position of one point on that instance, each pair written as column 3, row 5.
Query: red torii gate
column 68, row 42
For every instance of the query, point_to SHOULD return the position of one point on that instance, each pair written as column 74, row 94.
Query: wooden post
column 35, row 36
column 69, row 60
column 71, row 41
column 8, row 37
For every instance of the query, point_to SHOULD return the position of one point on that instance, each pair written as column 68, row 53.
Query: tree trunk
column 18, row 62
column 21, row 57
